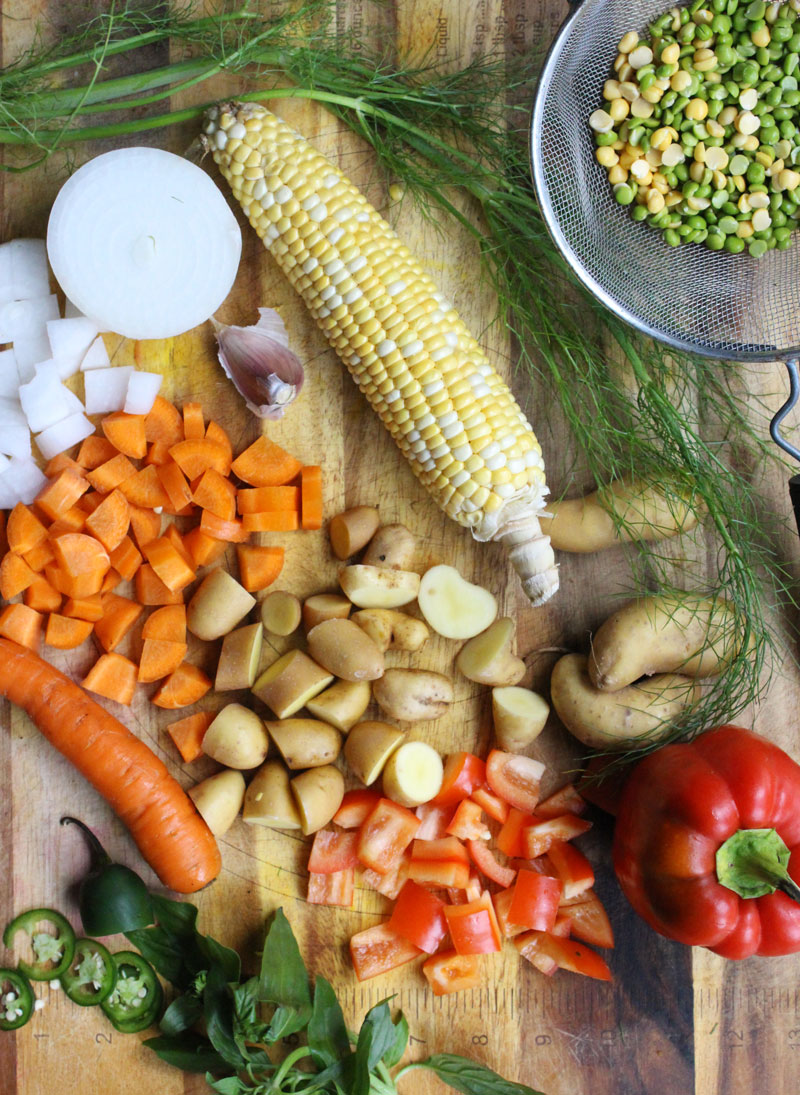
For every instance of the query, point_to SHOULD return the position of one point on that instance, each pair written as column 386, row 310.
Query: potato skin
column 392, row 546
column 318, row 794
column 305, row 743
column 219, row 799
column 268, row 800
column 412, row 695
column 346, row 650
column 236, row 738
column 218, row 604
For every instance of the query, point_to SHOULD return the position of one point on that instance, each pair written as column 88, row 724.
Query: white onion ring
column 143, row 242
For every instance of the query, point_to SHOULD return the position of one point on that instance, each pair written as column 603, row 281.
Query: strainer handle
column 780, row 440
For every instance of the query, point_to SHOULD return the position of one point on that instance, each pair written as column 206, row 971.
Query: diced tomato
column 447, row 848
column 433, row 820
column 391, row 883
column 385, row 834
column 509, row 839
column 502, row 903
column 334, row 888
column 515, row 778
column 491, row 805
column 463, row 773
column 378, row 950
column 452, row 972
column 467, row 823
column 535, row 901
column 442, row 862
column 473, row 927
column 355, row 807
column 573, row 868
column 539, row 837
column 333, row 851
column 471, row 892
column 588, row 919
column 418, row 916
column 566, row 954
column 566, row 800
column 487, row 863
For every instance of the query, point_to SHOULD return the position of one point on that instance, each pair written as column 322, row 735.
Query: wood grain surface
column 674, row 1021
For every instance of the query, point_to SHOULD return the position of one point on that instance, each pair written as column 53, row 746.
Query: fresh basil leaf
column 283, row 979
column 360, row 1070
column 189, row 1052
column 327, row 1033
column 394, row 1053
column 228, row 960
column 218, row 1012
column 182, row 1013
column 164, row 953
column 176, row 917
column 245, row 1002
column 471, row 1077
column 229, row 1085
column 383, row 1035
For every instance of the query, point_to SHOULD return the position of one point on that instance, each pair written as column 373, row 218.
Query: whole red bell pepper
column 707, row 843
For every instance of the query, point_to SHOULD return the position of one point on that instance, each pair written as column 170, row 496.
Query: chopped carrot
column 268, row 499
column 193, row 422
column 145, row 524
column 111, row 581
column 175, row 485
column 83, row 561
column 91, row 500
column 187, row 734
column 61, row 493
column 176, row 540
column 167, row 623
column 112, row 676
column 85, row 608
column 38, row 558
column 163, row 422
column 110, row 521
column 215, row 432
column 15, row 576
column 3, row 538
column 144, row 489
column 125, row 558
column 204, row 549
column 185, row 685
column 160, row 657
column 215, row 493
column 157, row 453
column 119, row 616
column 57, row 579
column 265, row 464
column 193, row 457
column 22, row 625
column 59, row 463
column 41, row 596
column 311, row 497
column 259, row 566
column 126, row 433
column 110, row 474
column 71, row 520
column 66, row 632
column 282, row 521
column 94, row 451
column 168, row 563
column 24, row 530
column 150, row 590
column 231, row 532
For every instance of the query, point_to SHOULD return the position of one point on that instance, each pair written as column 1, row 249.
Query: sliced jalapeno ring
column 52, row 950
column 17, row 1001
column 91, row 975
column 137, row 995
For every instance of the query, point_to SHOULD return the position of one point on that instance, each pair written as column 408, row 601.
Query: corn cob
column 452, row 416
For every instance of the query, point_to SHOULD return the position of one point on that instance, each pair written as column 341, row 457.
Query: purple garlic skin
column 259, row 363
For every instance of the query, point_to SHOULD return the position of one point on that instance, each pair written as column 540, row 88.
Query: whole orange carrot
column 162, row 820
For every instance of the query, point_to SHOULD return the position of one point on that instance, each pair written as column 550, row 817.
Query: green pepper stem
column 100, row 857
column 753, row 863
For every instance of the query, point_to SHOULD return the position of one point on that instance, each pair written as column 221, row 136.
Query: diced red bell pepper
column 535, row 901
column 487, row 863
column 391, row 883
column 418, row 916
column 548, row 952
column 332, row 851
column 539, row 837
column 334, row 888
column 433, row 820
column 573, row 868
column 502, row 903
column 566, row 800
column 473, row 927
column 439, row 863
column 509, row 839
column 588, row 919
column 452, row 972
column 467, row 822
column 378, row 950
column 491, row 805
column 515, row 778
column 385, row 834
column 471, row 892
column 355, row 807
column 463, row 773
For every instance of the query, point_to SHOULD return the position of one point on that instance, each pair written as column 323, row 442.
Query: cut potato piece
column 343, row 704
column 519, row 716
column 236, row 738
column 379, row 587
column 352, row 530
column 239, row 658
column 290, row 682
column 412, row 695
column 454, row 607
column 324, row 606
column 269, row 800
column 218, row 604
column 281, row 612
column 345, row 649
column 305, row 743
column 413, row 774
column 318, row 794
column 368, row 747
column 392, row 630
column 219, row 799
column 487, row 658
column 392, row 546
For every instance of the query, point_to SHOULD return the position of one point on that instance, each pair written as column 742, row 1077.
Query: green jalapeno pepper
column 91, row 975
column 52, row 951
column 136, row 999
column 17, row 1001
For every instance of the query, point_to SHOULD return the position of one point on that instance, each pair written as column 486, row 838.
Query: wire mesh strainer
column 732, row 307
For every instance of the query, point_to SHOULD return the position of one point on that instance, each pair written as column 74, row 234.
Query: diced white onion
column 9, row 374
column 69, row 340
column 63, row 435
column 16, row 441
column 105, row 389
column 96, row 356
column 141, row 392
column 11, row 412
column 30, row 351
column 25, row 478
column 23, row 270
column 143, row 242
column 45, row 400
column 20, row 319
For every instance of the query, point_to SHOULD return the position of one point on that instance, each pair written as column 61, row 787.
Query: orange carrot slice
column 203, row 549
column 85, row 608
column 83, row 561
column 168, row 563
column 22, row 625
column 110, row 521
column 119, row 616
column 268, row 499
column 41, row 596
column 126, row 433
column 311, row 497
column 215, row 493
column 259, row 566
column 59, row 463
column 167, row 623
column 112, row 676
column 24, row 530
column 160, row 657
column 144, row 489
column 150, row 590
column 163, row 422
column 265, row 464
column 196, row 455
column 283, row 521
column 61, row 493
column 145, row 524
column 110, row 474
column 71, row 520
column 125, row 559
column 187, row 734
column 185, row 685
column 232, row 532
column 157, row 453
column 193, row 422
column 66, row 632
column 215, row 433
column 94, row 451
column 38, row 558
column 175, row 485
column 15, row 576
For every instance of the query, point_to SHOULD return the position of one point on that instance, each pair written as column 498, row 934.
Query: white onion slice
column 143, row 242
column 21, row 319
column 16, row 440
column 142, row 391
column 45, row 400
column 96, row 356
column 11, row 413
column 105, row 389
column 63, row 435
column 69, row 340
column 23, row 270
column 29, row 352
column 9, row 375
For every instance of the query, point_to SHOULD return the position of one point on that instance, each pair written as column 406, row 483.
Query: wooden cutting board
column 673, row 1020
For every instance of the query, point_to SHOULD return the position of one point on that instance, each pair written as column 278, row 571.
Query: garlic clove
column 257, row 359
